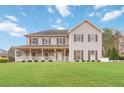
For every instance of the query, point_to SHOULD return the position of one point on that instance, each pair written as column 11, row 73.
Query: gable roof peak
column 86, row 20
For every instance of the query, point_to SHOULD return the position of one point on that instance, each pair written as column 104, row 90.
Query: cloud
column 97, row 7
column 57, row 27
column 50, row 10
column 63, row 10
column 23, row 14
column 91, row 14
column 11, row 18
column 58, row 21
column 112, row 14
column 12, row 28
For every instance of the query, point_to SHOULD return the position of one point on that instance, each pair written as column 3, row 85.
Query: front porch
column 32, row 54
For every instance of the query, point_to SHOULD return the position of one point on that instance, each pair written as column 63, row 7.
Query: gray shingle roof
column 49, row 32
column 43, row 46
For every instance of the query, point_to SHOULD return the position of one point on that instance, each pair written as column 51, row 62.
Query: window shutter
column 74, row 37
column 49, row 41
column 64, row 41
column 82, row 38
column 88, row 38
column 74, row 54
column 43, row 40
column 30, row 41
column 96, row 54
column 57, row 40
column 82, row 56
column 96, row 38
column 88, row 55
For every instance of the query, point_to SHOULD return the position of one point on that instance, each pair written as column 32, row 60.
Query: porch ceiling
column 42, row 46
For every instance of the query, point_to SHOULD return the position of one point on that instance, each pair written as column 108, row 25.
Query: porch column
column 30, row 54
column 55, row 54
column 64, row 54
column 15, row 55
column 42, row 55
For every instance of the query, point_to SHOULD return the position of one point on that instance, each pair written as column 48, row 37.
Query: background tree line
column 110, row 43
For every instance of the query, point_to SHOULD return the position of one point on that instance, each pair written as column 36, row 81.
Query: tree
column 113, row 55
column 109, row 40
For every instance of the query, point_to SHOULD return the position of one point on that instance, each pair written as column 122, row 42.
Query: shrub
column 113, row 55
column 29, row 60
column 88, row 60
column 23, row 61
column 42, row 60
column 50, row 61
column 35, row 60
column 76, row 60
column 121, row 57
column 98, row 61
column 4, row 60
column 93, row 61
column 83, row 60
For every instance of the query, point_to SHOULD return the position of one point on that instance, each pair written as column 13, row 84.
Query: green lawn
column 62, row 74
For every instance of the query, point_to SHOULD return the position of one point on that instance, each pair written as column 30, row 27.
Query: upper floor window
column 60, row 41
column 34, row 40
column 92, row 38
column 78, row 37
column 46, row 41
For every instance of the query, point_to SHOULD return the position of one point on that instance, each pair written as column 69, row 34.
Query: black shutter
column 82, row 56
column 88, row 55
column 74, row 38
column 57, row 40
column 43, row 40
column 74, row 54
column 88, row 38
column 96, row 38
column 82, row 38
column 64, row 41
column 49, row 41
column 30, row 41
column 96, row 54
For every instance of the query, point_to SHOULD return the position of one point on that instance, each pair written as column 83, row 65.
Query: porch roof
column 41, row 46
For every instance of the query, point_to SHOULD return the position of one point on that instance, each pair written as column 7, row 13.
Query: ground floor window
column 78, row 54
column 92, row 55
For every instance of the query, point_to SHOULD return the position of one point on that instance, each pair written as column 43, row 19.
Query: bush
column 121, row 57
column 4, row 60
column 113, row 55
column 23, row 61
column 88, row 60
column 42, row 60
column 50, row 61
column 83, row 60
column 29, row 60
column 98, row 61
column 76, row 60
column 93, row 61
column 35, row 60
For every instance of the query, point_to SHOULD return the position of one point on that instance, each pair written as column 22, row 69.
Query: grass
column 67, row 74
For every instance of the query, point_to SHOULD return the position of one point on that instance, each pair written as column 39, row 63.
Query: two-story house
column 82, row 42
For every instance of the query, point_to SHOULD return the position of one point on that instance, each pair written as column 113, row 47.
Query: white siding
column 85, row 29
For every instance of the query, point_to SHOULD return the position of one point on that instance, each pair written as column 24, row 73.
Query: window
column 78, row 54
column 78, row 37
column 60, row 41
column 92, row 38
column 46, row 41
column 18, row 53
column 34, row 40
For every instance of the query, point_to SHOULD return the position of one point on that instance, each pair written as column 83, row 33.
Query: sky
column 16, row 20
